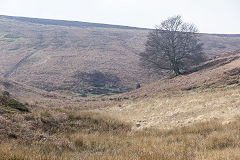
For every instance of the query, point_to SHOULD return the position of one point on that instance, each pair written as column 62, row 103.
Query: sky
column 210, row 16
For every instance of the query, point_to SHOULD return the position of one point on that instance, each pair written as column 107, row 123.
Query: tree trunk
column 176, row 71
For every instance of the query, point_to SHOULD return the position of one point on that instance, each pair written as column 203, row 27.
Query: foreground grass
column 62, row 134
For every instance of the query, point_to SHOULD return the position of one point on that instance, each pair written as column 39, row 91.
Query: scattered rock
column 138, row 124
column 226, row 122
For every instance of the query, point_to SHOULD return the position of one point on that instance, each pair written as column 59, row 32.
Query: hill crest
column 69, row 23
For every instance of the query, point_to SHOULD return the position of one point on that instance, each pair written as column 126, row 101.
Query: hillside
column 79, row 58
column 23, row 91
column 193, row 116
column 210, row 93
column 218, row 72
column 52, row 57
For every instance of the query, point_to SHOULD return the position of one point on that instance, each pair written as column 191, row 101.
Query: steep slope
column 71, row 57
column 218, row 72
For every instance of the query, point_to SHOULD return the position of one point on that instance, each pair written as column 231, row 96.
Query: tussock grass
column 96, row 122
column 89, row 135
column 180, row 108
column 68, row 133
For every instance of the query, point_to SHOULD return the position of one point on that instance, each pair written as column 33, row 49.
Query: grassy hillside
column 218, row 72
column 72, row 57
column 65, row 133
column 193, row 116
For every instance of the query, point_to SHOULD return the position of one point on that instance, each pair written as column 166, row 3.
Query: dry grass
column 196, row 124
column 218, row 72
column 180, row 108
column 72, row 133
column 179, row 118
column 94, row 136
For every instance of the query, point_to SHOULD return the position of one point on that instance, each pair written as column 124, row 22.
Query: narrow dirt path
column 8, row 74
column 23, row 60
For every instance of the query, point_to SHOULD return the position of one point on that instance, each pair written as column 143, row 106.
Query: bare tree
column 173, row 45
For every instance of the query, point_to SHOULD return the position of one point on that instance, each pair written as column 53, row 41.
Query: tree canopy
column 174, row 46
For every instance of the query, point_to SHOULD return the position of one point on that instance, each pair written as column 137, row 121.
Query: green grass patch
column 10, row 105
